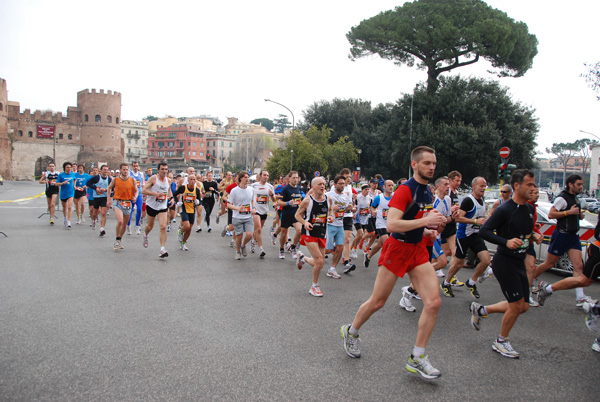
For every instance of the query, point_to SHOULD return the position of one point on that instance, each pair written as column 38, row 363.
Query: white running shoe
column 129, row 230
column 353, row 254
column 315, row 291
column 405, row 302
column 440, row 273
column 332, row 273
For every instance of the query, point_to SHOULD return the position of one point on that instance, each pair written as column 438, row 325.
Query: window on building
column 189, row 144
column 117, row 120
column 194, row 153
column 109, row 119
column 143, row 142
column 87, row 118
column 128, row 150
column 129, row 141
column 70, row 136
column 194, row 144
column 98, row 118
column 230, row 144
column 136, row 131
column 171, row 144
column 122, row 131
column 222, row 143
column 20, row 133
column 136, row 141
column 1, row 107
column 30, row 134
column 60, row 136
column 201, row 153
column 153, row 145
column 180, row 144
column 230, row 154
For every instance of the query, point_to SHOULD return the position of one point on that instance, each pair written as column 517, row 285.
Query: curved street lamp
column 293, row 126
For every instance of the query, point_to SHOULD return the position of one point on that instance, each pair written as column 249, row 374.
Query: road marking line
column 24, row 199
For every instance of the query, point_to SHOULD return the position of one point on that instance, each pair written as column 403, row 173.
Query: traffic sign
column 317, row 173
column 504, row 152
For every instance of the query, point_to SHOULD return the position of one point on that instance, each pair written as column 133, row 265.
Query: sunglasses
column 505, row 192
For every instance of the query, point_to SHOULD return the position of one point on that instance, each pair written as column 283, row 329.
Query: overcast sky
column 224, row 58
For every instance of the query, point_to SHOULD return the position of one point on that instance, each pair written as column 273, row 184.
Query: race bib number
column 363, row 211
column 126, row 204
column 138, row 183
column 526, row 242
column 79, row 188
column 245, row 209
column 53, row 182
column 339, row 214
column 296, row 201
column 384, row 213
column 319, row 220
column 161, row 197
column 261, row 199
column 189, row 198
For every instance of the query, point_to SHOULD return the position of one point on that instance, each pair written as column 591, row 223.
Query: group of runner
column 416, row 228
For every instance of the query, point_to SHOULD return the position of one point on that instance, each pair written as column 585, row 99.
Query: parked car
column 563, row 266
column 589, row 203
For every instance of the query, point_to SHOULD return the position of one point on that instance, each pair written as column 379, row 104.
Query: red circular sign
column 504, row 152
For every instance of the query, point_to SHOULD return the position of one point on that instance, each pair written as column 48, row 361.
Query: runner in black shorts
column 512, row 223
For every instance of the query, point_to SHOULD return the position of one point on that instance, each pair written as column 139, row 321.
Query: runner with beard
column 405, row 252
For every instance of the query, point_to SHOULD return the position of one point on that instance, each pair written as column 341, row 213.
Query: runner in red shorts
column 411, row 213
column 314, row 229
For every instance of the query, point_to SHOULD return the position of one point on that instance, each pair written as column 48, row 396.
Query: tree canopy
column 592, row 76
column 313, row 152
column 266, row 123
column 281, row 123
column 466, row 122
column 441, row 35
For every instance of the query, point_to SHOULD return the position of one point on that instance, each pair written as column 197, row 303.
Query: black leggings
column 208, row 207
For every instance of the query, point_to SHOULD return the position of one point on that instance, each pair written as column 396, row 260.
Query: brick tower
column 100, row 127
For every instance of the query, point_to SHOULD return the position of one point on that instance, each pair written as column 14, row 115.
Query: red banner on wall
column 45, row 131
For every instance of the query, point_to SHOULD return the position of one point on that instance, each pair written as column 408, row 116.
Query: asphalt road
column 82, row 322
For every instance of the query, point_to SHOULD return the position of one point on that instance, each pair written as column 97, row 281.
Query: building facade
column 178, row 145
column 88, row 134
column 135, row 139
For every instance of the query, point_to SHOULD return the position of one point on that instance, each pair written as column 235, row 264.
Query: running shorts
column 400, row 257
column 512, row 277
column 473, row 242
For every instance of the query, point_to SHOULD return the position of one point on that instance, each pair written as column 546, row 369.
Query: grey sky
column 224, row 58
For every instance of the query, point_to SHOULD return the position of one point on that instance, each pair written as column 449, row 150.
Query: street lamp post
column 359, row 171
column 293, row 126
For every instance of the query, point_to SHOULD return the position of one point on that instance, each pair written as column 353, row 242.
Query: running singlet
column 189, row 198
column 381, row 202
column 99, row 182
column 158, row 203
column 509, row 221
column 316, row 213
column 363, row 208
column 51, row 177
column 261, row 197
column 475, row 209
column 342, row 200
column 415, row 200
column 124, row 190
column 139, row 179
column 443, row 205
